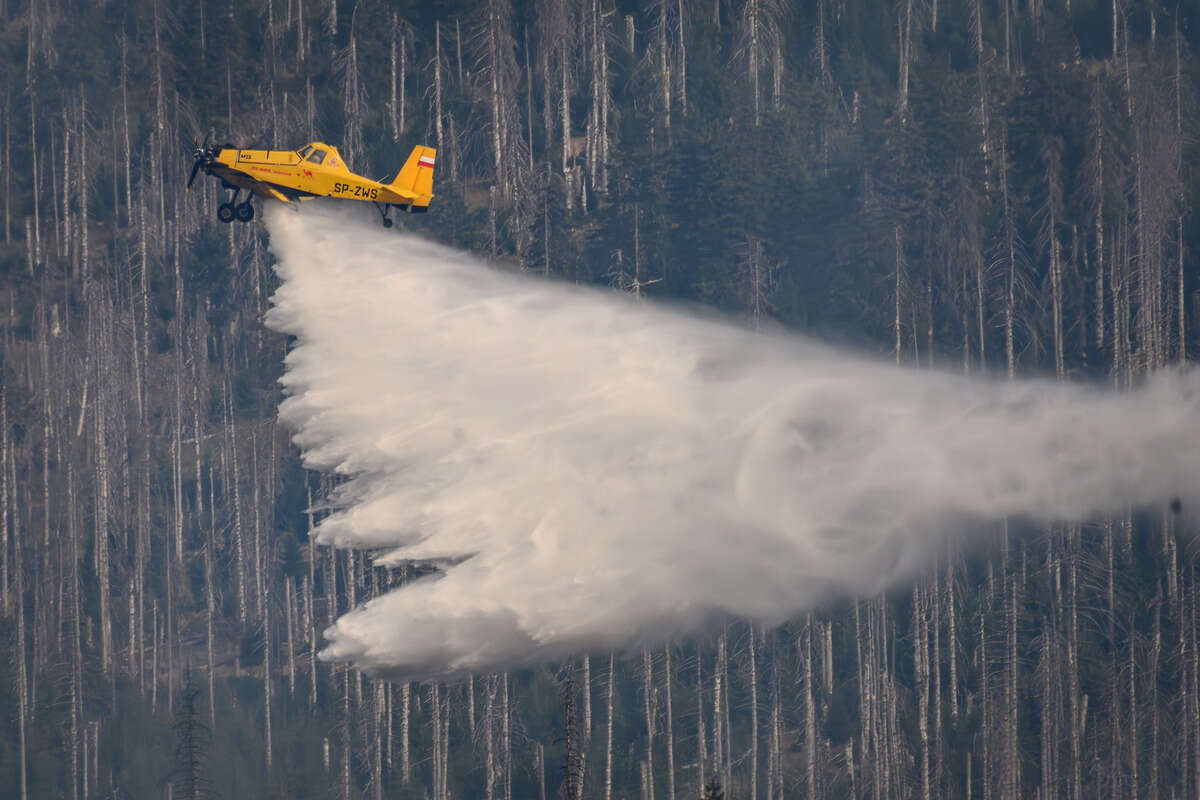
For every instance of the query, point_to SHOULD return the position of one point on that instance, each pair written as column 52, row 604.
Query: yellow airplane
column 315, row 170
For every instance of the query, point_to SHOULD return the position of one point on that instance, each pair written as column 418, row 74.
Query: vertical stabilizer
column 416, row 177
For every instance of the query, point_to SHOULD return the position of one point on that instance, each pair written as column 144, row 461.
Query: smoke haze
column 594, row 473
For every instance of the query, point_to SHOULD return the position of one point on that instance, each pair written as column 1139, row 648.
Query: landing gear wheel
column 384, row 208
column 225, row 212
column 245, row 212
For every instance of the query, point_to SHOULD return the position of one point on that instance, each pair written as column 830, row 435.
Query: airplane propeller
column 195, row 169
column 202, row 156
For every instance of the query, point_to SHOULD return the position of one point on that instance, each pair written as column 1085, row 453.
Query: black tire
column 225, row 212
column 245, row 211
column 387, row 223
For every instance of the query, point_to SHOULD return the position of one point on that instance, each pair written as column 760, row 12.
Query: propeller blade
column 195, row 169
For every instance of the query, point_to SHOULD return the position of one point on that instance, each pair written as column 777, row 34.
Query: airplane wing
column 262, row 188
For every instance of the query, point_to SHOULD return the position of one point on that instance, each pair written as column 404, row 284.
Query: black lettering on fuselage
column 364, row 192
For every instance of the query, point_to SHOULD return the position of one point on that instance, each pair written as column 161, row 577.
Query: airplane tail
column 415, row 180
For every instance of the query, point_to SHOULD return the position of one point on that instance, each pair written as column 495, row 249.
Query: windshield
column 304, row 150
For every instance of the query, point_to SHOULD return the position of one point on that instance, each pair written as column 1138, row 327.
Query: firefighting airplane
column 315, row 170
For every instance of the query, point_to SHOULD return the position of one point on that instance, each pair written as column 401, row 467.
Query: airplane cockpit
column 314, row 153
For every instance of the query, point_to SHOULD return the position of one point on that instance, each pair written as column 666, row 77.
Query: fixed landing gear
column 384, row 208
column 228, row 212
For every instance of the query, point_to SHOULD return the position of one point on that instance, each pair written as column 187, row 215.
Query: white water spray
column 595, row 472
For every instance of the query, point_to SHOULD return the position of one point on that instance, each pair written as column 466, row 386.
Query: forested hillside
column 971, row 185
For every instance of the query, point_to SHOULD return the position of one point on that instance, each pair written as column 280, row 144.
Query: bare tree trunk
column 540, row 757
column 210, row 600
column 1155, row 650
column 471, row 705
column 68, row 230
column 440, row 708
column 670, row 724
column 665, row 74
column 753, row 715
column 718, row 727
column 976, row 31
column 346, row 793
column 22, row 675
column 682, row 60
column 1006, row 14
column 310, row 626
column 177, row 429
column 23, row 701
column 1011, row 668
column 1073, row 690
column 289, row 596
column 154, row 655
column 810, row 721
column 935, row 614
column 99, row 338
column 904, row 28
column 76, row 634
column 900, row 274
column 921, row 664
column 84, row 138
column 378, row 709
column 1133, row 719
column 1114, row 702
column 1178, row 218
column 5, row 488
column 489, row 734
column 1194, row 689
column 604, row 100
column 1011, row 266
column 753, row 54
column 608, row 745
column 405, row 710
column 648, row 704
column 266, row 615
column 775, row 780
column 35, row 179
column 723, row 666
column 260, row 607
column 394, row 102
column 390, row 716
column 505, row 740
column 239, row 544
column 701, row 735
column 1054, row 204
column 987, row 730
column 7, row 170
column 437, row 83
column 586, row 733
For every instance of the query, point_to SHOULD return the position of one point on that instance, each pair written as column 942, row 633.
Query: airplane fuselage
column 315, row 170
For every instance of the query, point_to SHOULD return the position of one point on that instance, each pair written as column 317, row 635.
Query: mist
column 592, row 472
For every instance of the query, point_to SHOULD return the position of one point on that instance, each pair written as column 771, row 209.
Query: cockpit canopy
column 316, row 152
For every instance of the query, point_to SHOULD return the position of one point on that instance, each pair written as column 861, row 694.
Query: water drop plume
column 592, row 472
